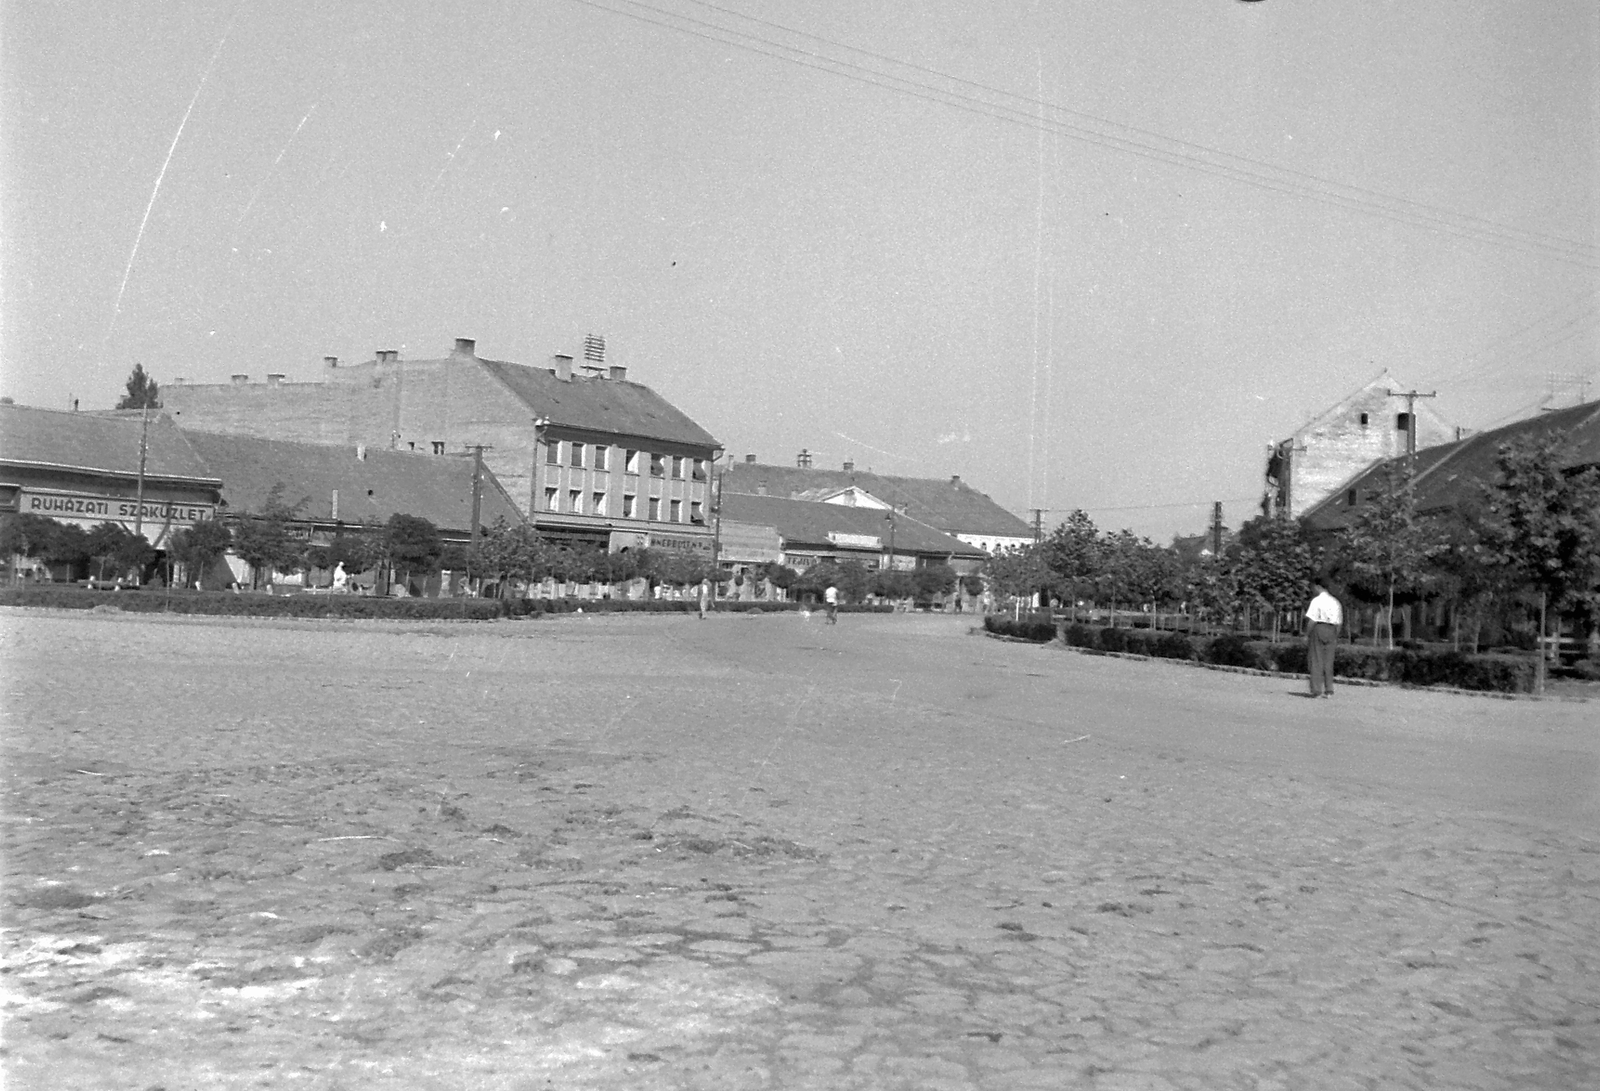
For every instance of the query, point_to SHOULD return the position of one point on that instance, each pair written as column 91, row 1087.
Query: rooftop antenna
column 594, row 353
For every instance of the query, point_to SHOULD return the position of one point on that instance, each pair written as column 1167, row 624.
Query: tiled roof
column 805, row 524
column 98, row 443
column 599, row 404
column 437, row 488
column 951, row 505
column 1451, row 473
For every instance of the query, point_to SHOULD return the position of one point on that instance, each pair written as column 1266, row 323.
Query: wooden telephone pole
column 1411, row 397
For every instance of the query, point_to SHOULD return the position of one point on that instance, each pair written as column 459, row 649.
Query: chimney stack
column 563, row 367
column 240, row 380
column 466, row 348
column 618, row 373
column 361, row 452
column 751, row 459
column 849, row 467
column 387, row 356
column 955, row 479
column 274, row 378
column 761, row 489
column 330, row 361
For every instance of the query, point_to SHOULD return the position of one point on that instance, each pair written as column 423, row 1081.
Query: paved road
column 767, row 853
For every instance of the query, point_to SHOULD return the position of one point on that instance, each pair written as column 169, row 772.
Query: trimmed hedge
column 1036, row 628
column 254, row 604
column 1411, row 666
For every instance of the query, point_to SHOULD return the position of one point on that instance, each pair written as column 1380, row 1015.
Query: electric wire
column 1218, row 163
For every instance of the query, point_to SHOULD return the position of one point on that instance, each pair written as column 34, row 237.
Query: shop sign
column 73, row 507
column 858, row 541
column 681, row 543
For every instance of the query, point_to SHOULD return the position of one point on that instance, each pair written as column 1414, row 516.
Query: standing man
column 1323, row 618
column 831, row 597
column 705, row 597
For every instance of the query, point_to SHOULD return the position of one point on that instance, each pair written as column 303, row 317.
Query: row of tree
column 1528, row 540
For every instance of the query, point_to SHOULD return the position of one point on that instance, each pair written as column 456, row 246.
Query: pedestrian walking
column 831, row 597
column 705, row 597
column 1323, row 618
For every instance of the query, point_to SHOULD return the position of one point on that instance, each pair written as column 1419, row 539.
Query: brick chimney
column 466, row 348
column 849, row 467
column 618, row 373
column 955, row 479
column 750, row 459
column 239, row 380
column 274, row 378
column 562, row 367
column 330, row 361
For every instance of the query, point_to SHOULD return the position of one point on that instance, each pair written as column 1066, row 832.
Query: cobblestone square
column 763, row 852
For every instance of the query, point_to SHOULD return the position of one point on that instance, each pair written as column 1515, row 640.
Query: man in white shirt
column 1323, row 618
column 831, row 597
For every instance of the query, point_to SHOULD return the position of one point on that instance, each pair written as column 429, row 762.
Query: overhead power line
column 1076, row 125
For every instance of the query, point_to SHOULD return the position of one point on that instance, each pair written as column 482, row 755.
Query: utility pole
column 1216, row 530
column 1038, row 524
column 477, row 450
column 716, row 533
column 144, row 451
column 1411, row 397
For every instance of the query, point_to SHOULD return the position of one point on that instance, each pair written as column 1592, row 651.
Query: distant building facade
column 90, row 469
column 588, row 456
column 1371, row 424
column 950, row 507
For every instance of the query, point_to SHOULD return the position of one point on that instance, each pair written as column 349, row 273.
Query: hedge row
column 226, row 603
column 1492, row 673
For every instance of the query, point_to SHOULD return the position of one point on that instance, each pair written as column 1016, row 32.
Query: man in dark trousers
column 1323, row 618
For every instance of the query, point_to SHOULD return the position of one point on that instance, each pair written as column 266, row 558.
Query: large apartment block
column 587, row 455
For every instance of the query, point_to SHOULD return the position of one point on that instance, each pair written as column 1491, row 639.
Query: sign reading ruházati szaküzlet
column 77, row 507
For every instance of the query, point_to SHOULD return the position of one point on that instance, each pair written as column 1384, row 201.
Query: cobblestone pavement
column 758, row 852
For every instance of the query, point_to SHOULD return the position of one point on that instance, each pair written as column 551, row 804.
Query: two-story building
column 587, row 455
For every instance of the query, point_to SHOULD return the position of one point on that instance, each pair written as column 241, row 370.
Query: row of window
column 597, row 456
column 575, row 505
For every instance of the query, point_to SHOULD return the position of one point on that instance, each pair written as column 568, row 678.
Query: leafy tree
column 1543, row 525
column 893, row 584
column 1469, row 571
column 1388, row 542
column 1020, row 571
column 143, row 393
column 780, row 576
column 412, row 544
column 262, row 539
column 1273, row 563
column 25, row 534
column 108, row 545
column 357, row 548
column 1074, row 553
column 855, row 581
column 972, row 584
column 508, row 553
column 934, row 581
column 198, row 547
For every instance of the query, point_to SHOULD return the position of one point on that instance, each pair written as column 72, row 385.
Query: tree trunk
column 1388, row 623
column 1543, row 600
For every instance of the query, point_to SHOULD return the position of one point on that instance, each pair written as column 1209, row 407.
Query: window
column 600, row 453
column 655, row 507
column 677, row 467
column 1364, row 419
column 630, row 462
column 1350, row 498
column 699, row 469
column 630, row 506
column 575, row 501
column 552, row 452
column 577, row 456
column 1402, row 422
column 438, row 446
column 413, row 446
column 550, row 500
column 677, row 511
column 599, row 505
column 657, row 465
column 696, row 515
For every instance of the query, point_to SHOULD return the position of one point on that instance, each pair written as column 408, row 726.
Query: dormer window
column 1402, row 422
column 1364, row 420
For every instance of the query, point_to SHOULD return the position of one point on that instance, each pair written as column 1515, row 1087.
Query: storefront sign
column 681, row 543
column 91, row 510
column 858, row 541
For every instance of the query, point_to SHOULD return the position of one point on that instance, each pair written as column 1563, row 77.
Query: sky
column 1082, row 254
